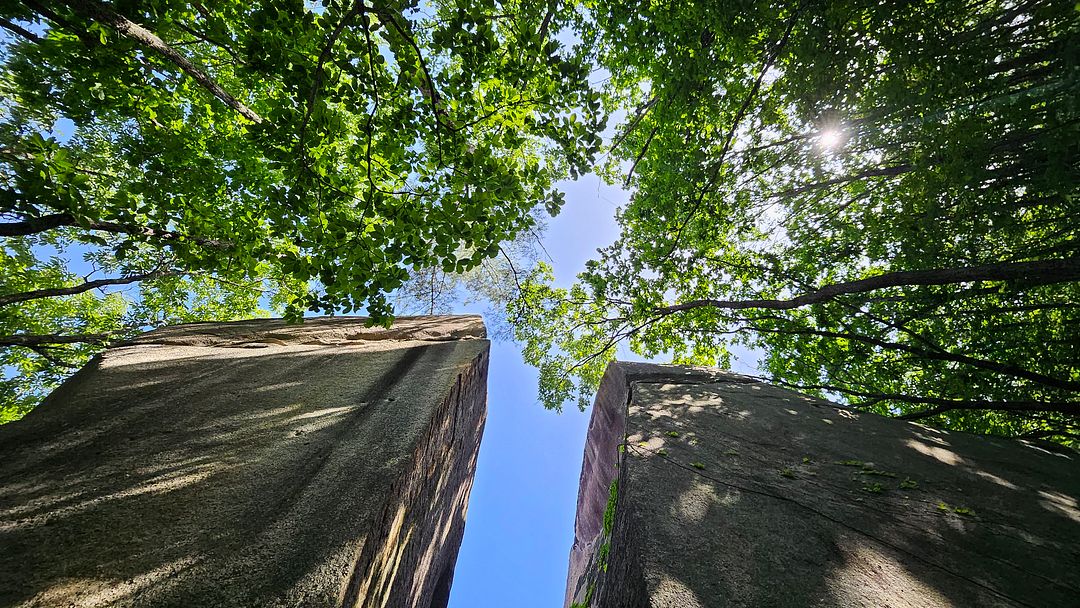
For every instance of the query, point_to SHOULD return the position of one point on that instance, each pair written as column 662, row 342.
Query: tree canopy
column 880, row 197
column 231, row 156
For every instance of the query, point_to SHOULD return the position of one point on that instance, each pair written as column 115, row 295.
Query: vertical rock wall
column 706, row 489
column 249, row 464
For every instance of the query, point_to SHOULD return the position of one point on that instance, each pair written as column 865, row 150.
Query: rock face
column 249, row 464
column 729, row 492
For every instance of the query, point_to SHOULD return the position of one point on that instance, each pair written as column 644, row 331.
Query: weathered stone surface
column 249, row 464
column 735, row 493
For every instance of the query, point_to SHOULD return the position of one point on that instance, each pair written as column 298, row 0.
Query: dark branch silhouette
column 1042, row 272
column 13, row 298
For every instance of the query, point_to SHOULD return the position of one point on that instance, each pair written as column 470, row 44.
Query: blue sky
column 520, row 522
column 521, row 514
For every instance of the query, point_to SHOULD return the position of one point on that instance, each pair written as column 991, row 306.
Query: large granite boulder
column 252, row 464
column 706, row 489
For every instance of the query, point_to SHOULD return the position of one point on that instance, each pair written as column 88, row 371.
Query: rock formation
column 706, row 489
column 249, row 464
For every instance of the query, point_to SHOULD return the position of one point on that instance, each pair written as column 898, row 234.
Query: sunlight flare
column 830, row 139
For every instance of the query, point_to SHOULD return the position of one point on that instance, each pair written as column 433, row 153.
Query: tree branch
column 19, row 30
column 932, row 355
column 641, row 155
column 90, row 9
column 14, row 298
column 36, row 224
column 878, row 172
column 84, row 37
column 43, row 352
column 638, row 116
column 1071, row 408
column 430, row 92
column 327, row 50
column 944, row 405
column 56, row 220
column 719, row 165
column 201, row 37
column 1042, row 271
column 32, row 340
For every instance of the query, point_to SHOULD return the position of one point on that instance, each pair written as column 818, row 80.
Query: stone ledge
column 327, row 331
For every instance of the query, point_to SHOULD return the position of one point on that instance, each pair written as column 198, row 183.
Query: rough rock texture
column 249, row 464
column 735, row 493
